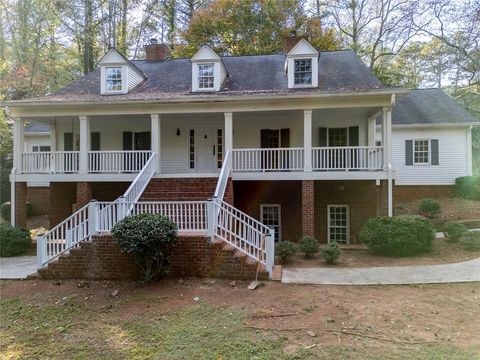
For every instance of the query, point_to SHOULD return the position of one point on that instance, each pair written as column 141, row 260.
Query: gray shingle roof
column 429, row 106
column 34, row 127
column 339, row 71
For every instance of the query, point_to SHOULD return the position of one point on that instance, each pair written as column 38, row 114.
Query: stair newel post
column 122, row 208
column 270, row 251
column 41, row 251
column 92, row 217
column 211, row 218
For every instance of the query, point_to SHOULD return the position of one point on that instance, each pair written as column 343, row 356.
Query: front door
column 206, row 150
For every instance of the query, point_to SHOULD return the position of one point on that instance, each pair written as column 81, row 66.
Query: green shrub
column 454, row 231
column 285, row 249
column 331, row 253
column 5, row 210
column 471, row 241
column 468, row 187
column 429, row 208
column 13, row 241
column 308, row 246
column 148, row 237
column 402, row 235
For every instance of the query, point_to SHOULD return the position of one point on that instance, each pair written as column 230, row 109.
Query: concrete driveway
column 17, row 267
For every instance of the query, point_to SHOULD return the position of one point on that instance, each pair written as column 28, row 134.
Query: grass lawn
column 82, row 320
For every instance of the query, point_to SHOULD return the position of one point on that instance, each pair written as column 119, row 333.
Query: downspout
column 12, row 196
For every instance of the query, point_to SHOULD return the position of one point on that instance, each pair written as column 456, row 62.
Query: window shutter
column 264, row 138
column 95, row 141
column 322, row 140
column 68, row 141
column 353, row 136
column 127, row 140
column 435, row 157
column 408, row 152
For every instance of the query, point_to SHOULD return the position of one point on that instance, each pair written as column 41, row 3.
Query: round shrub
column 5, row 210
column 468, row 187
column 148, row 237
column 429, row 208
column 402, row 235
column 471, row 241
column 454, row 231
column 331, row 253
column 13, row 241
column 308, row 246
column 285, row 249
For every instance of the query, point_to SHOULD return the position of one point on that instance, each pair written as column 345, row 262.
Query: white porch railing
column 50, row 162
column 278, row 159
column 117, row 161
column 347, row 158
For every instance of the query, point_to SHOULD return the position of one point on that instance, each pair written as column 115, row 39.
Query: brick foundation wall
column 108, row 191
column 308, row 213
column 101, row 258
column 62, row 197
column 248, row 196
column 408, row 193
column 21, row 204
column 84, row 194
column 39, row 197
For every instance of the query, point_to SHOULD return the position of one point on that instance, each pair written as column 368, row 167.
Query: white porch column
column 387, row 154
column 156, row 137
column 228, row 132
column 53, row 138
column 372, row 132
column 18, row 143
column 84, row 143
column 307, row 140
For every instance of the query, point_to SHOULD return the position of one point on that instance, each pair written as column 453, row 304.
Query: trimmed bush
column 471, row 241
column 308, row 246
column 13, row 241
column 5, row 210
column 468, row 187
column 403, row 235
column 454, row 231
column 148, row 237
column 429, row 208
column 285, row 249
column 331, row 253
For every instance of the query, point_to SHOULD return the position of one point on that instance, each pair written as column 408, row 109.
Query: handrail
column 223, row 177
column 140, row 182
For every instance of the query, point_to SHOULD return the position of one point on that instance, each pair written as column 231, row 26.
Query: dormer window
column 205, row 76
column 303, row 72
column 113, row 79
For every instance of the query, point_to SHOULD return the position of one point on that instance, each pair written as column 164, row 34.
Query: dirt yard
column 442, row 253
column 215, row 319
column 452, row 209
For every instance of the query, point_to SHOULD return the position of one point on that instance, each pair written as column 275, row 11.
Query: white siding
column 133, row 78
column 339, row 121
column 35, row 140
column 453, row 154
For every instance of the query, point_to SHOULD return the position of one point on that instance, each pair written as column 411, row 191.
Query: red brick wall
column 101, row 258
column 407, row 193
column 62, row 197
column 39, row 197
column 21, row 204
column 84, row 194
column 108, row 191
column 308, row 213
column 248, row 196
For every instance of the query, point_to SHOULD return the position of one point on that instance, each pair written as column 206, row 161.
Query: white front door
column 206, row 150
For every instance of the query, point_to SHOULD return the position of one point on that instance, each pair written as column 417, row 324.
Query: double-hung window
column 270, row 216
column 338, row 224
column 421, row 152
column 303, row 72
column 113, row 78
column 205, row 76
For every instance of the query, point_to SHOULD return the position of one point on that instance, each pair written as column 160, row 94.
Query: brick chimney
column 155, row 51
column 292, row 40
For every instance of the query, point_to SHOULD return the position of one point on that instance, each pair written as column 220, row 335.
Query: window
column 40, row 148
column 205, row 76
column 337, row 137
column 338, row 224
column 219, row 148
column 191, row 143
column 421, row 152
column 114, row 78
column 303, row 72
column 270, row 216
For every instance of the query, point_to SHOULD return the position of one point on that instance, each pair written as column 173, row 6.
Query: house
column 242, row 150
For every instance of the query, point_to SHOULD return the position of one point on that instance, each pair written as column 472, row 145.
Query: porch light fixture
column 178, row 131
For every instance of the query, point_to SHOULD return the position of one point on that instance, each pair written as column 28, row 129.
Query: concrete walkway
column 17, row 267
column 396, row 275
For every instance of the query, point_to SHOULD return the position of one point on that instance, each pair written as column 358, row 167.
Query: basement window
column 270, row 216
column 338, row 224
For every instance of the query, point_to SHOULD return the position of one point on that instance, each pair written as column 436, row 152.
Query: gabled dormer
column 208, row 71
column 302, row 65
column 118, row 75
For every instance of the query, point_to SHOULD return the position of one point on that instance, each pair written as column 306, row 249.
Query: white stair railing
column 223, row 177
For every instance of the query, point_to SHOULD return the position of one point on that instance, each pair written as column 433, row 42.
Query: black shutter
column 284, row 137
column 95, row 141
column 68, row 141
column 435, row 157
column 353, row 136
column 265, row 138
column 322, row 140
column 408, row 152
column 127, row 140
column 147, row 143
